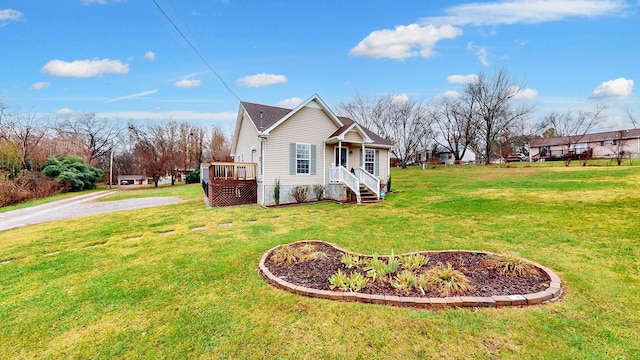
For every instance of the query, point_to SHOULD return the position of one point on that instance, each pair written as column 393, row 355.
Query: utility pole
column 111, row 168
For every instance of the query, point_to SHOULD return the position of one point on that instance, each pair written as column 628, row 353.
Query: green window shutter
column 312, row 161
column 376, row 164
column 292, row 158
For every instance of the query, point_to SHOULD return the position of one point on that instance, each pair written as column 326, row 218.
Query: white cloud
column 150, row 55
column 462, row 79
column 450, row 94
column 260, row 80
column 133, row 96
column 404, row 41
column 84, row 68
column 480, row 51
column 7, row 15
column 399, row 99
column 525, row 11
column 66, row 111
column 482, row 56
column 291, row 102
column 187, row 83
column 524, row 94
column 39, row 85
column 617, row 88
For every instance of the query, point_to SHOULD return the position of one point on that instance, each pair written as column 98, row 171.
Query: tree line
column 28, row 142
column 487, row 117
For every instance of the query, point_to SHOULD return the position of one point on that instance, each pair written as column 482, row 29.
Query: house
column 446, row 156
column 308, row 146
column 134, row 180
column 602, row 145
column 441, row 155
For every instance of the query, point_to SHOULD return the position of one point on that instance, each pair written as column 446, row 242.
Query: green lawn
column 180, row 281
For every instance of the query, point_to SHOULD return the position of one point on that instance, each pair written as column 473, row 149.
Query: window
column 608, row 142
column 369, row 160
column 579, row 148
column 303, row 157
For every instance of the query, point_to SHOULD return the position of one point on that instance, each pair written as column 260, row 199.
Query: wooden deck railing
column 222, row 171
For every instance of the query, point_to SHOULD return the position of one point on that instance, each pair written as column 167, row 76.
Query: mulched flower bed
column 315, row 273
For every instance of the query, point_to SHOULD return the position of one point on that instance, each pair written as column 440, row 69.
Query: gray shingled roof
column 271, row 115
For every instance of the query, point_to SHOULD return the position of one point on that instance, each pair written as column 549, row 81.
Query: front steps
column 367, row 196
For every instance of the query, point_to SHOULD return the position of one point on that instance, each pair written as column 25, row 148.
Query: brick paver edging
column 552, row 293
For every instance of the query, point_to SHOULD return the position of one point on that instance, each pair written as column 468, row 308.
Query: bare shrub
column 26, row 186
column 319, row 191
column 10, row 193
column 300, row 193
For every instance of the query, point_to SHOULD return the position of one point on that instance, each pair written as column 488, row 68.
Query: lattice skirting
column 229, row 194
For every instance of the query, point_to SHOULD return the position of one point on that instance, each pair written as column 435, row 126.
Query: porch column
column 363, row 155
column 339, row 154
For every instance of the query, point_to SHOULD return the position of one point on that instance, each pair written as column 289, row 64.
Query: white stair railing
column 342, row 175
column 369, row 181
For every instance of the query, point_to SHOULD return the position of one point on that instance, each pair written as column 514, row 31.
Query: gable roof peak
column 266, row 118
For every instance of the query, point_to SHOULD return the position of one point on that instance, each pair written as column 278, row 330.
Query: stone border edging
column 552, row 293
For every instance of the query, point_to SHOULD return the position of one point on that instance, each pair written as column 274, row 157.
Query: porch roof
column 369, row 137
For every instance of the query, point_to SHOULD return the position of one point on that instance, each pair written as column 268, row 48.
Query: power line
column 195, row 50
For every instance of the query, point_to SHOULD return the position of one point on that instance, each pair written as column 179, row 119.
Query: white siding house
column 306, row 146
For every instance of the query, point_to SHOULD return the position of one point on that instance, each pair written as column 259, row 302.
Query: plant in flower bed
column 350, row 261
column 511, row 264
column 405, row 281
column 377, row 269
column 287, row 255
column 414, row 261
column 446, row 280
column 354, row 282
column 436, row 274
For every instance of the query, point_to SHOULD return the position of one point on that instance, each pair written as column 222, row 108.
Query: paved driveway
column 77, row 206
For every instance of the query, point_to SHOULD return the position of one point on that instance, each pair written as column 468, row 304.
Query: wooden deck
column 232, row 184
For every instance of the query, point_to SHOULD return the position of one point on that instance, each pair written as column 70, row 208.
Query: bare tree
column 634, row 121
column 124, row 163
column 219, row 145
column 361, row 110
column 96, row 135
column 197, row 148
column 26, row 130
column 455, row 126
column 492, row 98
column 398, row 119
column 572, row 127
column 523, row 132
column 3, row 134
column 405, row 123
column 618, row 147
column 155, row 150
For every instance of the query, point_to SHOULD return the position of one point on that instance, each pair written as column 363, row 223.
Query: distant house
column 442, row 155
column 302, row 147
column 134, row 180
column 446, row 156
column 602, row 145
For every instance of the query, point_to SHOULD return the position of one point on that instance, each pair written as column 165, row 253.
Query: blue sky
column 124, row 59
